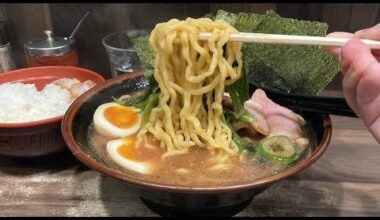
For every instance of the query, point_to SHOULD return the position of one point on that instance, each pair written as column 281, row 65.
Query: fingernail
column 361, row 32
column 358, row 33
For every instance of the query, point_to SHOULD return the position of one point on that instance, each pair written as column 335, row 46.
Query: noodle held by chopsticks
column 192, row 75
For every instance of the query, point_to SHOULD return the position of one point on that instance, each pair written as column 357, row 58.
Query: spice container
column 51, row 51
column 7, row 62
column 6, row 58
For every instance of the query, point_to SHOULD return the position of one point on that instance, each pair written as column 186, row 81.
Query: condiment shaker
column 6, row 58
column 51, row 51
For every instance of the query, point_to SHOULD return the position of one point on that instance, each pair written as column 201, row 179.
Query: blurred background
column 23, row 22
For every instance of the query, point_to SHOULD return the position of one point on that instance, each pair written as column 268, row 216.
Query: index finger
column 372, row 33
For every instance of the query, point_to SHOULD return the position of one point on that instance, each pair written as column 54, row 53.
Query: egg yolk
column 127, row 149
column 120, row 116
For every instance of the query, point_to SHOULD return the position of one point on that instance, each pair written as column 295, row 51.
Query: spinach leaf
column 239, row 93
column 137, row 102
column 151, row 102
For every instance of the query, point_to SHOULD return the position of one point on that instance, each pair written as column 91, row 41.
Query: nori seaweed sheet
column 146, row 55
column 297, row 69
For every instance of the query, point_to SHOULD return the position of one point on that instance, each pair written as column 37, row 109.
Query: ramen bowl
column 169, row 200
column 40, row 137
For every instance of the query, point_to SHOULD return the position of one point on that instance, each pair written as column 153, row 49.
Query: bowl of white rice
column 33, row 102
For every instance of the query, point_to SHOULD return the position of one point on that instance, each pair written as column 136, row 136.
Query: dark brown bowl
column 169, row 199
column 42, row 137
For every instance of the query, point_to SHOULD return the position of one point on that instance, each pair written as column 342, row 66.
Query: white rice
column 23, row 103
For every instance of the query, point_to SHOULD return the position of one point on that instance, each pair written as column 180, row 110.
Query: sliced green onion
column 278, row 148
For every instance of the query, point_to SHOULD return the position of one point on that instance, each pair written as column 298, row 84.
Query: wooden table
column 343, row 182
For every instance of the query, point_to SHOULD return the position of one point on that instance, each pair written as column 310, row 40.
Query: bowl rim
column 46, row 120
column 89, row 161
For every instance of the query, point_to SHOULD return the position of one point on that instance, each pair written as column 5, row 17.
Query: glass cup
column 122, row 56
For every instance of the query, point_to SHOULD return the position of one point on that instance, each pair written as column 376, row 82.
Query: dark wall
column 28, row 21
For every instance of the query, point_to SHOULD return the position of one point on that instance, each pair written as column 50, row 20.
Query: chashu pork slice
column 271, row 119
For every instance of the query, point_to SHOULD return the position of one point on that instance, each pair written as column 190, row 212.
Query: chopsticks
column 290, row 39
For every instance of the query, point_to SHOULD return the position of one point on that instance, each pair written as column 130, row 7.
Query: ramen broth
column 193, row 168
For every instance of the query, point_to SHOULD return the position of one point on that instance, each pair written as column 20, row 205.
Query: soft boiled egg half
column 124, row 153
column 114, row 120
column 123, row 122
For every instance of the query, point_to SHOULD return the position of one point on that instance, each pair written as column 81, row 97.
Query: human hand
column 361, row 76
